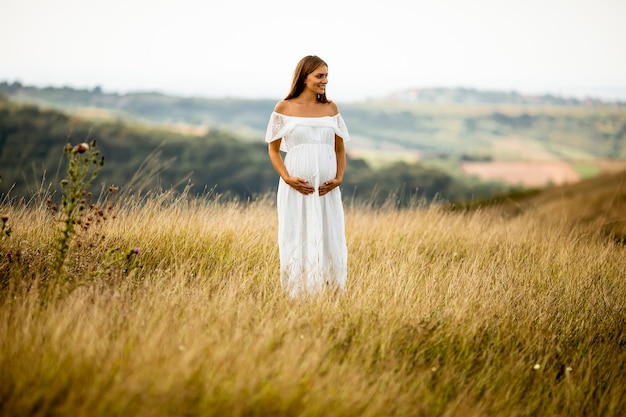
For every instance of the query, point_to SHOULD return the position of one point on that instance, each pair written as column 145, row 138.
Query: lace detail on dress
column 275, row 128
column 343, row 129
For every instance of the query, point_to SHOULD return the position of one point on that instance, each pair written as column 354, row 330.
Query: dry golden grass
column 594, row 206
column 446, row 314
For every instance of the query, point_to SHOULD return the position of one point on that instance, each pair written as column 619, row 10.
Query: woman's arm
column 340, row 150
column 340, row 154
column 300, row 184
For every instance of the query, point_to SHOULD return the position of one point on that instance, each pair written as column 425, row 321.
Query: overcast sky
column 249, row 48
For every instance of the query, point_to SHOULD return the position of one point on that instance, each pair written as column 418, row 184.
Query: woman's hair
column 306, row 66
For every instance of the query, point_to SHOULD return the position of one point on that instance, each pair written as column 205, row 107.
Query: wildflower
column 132, row 252
column 568, row 369
column 112, row 189
column 81, row 148
column 537, row 367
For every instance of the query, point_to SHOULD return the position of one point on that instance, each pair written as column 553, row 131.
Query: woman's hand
column 329, row 186
column 300, row 184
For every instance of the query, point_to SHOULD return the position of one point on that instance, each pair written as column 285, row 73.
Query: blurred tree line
column 140, row 159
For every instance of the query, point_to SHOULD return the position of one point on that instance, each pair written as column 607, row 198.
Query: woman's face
column 317, row 80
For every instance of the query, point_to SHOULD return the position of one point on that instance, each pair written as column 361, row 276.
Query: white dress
column 311, row 233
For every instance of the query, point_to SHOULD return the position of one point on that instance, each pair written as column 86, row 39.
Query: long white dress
column 311, row 232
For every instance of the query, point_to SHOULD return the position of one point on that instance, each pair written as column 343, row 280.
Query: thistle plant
column 84, row 165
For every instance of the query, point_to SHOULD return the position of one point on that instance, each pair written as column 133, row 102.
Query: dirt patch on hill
column 523, row 173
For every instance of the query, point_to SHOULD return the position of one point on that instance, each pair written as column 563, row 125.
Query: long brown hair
column 306, row 66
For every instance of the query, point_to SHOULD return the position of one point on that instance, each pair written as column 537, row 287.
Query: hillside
column 148, row 158
column 470, row 136
column 596, row 205
column 246, row 118
column 453, row 125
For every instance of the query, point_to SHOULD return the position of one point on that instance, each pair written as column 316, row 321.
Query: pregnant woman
column 309, row 129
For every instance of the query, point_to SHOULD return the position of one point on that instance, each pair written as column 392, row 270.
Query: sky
column 249, row 48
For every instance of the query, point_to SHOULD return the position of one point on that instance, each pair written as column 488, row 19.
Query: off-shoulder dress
column 311, row 231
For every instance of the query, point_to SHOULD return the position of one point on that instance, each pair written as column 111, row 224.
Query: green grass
column 586, row 169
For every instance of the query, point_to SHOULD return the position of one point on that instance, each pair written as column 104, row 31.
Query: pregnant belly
column 315, row 164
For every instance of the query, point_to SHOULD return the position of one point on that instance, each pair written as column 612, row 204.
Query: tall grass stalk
column 445, row 314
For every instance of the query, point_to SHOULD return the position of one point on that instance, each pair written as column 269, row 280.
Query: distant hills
column 473, row 96
column 436, row 143
column 443, row 95
column 142, row 159
column 461, row 131
column 239, row 116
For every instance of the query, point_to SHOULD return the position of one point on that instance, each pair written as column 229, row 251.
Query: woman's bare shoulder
column 282, row 107
column 293, row 108
column 332, row 108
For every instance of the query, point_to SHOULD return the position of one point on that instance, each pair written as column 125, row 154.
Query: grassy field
column 172, row 307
